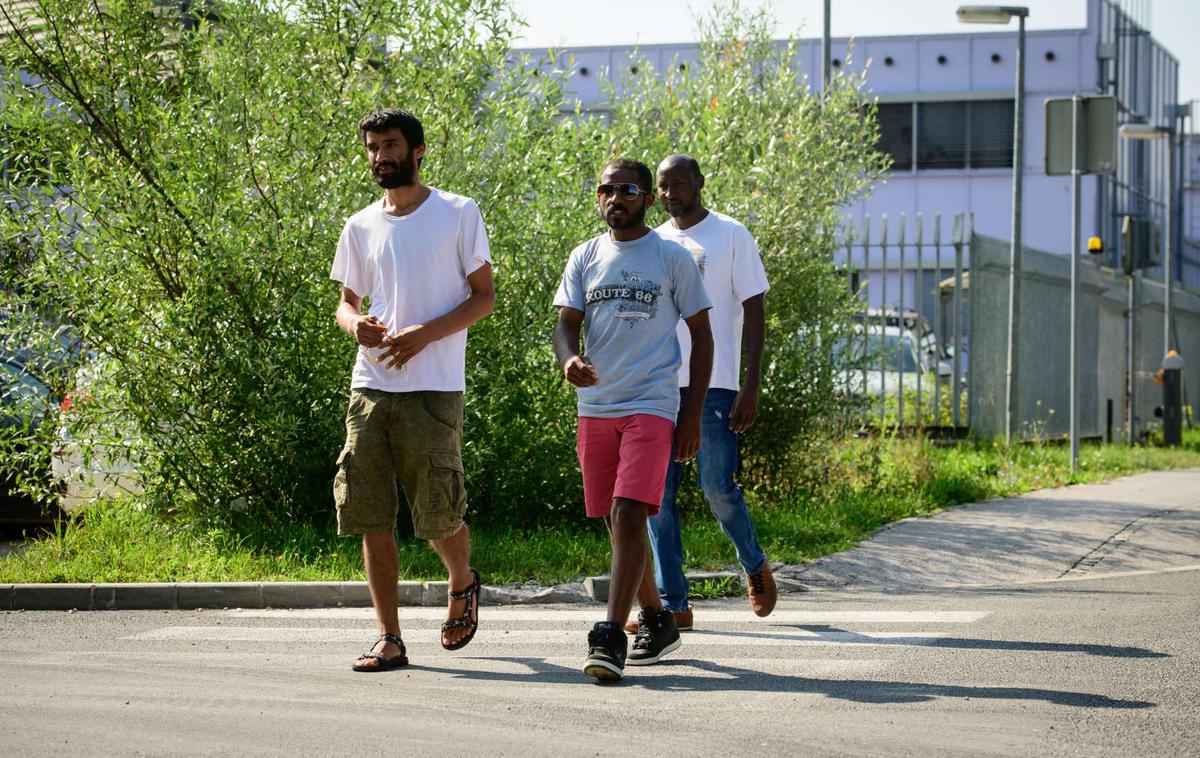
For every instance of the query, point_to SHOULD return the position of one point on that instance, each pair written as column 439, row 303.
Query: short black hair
column 645, row 178
column 393, row 118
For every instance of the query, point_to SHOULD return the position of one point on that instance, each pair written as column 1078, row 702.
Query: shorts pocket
column 446, row 409
column 341, row 481
column 445, row 497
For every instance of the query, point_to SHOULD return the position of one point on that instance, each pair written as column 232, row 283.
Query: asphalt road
column 1081, row 639
column 1101, row 666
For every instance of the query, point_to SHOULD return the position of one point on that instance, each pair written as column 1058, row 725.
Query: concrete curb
column 194, row 595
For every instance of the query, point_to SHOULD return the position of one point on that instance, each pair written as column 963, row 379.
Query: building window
column 941, row 135
column 895, row 132
column 953, row 134
column 991, row 134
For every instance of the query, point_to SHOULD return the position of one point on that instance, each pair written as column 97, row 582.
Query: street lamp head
column 990, row 14
column 1143, row 131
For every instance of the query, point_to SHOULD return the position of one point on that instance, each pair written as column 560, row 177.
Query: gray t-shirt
column 632, row 295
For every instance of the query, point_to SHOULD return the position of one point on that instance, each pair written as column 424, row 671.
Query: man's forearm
column 699, row 373
column 754, row 328
column 471, row 311
column 347, row 315
column 566, row 342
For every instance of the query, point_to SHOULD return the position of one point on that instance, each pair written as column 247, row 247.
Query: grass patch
column 865, row 484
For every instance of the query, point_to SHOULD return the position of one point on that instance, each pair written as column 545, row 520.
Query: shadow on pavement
column 734, row 679
column 846, row 637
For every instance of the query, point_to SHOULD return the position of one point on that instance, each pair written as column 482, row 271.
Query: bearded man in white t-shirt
column 733, row 273
column 420, row 257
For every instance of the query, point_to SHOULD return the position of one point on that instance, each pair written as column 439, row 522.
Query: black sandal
column 385, row 664
column 465, row 620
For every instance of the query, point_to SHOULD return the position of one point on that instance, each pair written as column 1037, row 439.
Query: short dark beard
column 686, row 210
column 631, row 221
column 401, row 176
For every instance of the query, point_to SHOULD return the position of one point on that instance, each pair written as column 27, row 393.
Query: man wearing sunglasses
column 631, row 287
column 735, row 280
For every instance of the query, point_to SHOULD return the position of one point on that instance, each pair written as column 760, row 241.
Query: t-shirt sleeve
column 570, row 290
column 749, row 276
column 473, row 249
column 688, row 290
column 349, row 263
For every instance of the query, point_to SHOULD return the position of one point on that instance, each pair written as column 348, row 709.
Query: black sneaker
column 657, row 635
column 606, row 652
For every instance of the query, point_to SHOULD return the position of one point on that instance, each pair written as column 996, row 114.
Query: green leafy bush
column 197, row 165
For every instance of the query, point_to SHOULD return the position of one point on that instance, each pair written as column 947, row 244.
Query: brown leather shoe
column 763, row 592
column 683, row 619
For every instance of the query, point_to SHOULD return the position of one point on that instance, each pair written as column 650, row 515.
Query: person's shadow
column 722, row 678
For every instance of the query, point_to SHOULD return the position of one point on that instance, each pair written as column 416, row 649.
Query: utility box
column 1171, row 378
column 1140, row 243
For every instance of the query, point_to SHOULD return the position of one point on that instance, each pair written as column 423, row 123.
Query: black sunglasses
column 628, row 190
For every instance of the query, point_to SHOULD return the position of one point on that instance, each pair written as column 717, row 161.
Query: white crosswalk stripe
column 535, row 637
column 706, row 617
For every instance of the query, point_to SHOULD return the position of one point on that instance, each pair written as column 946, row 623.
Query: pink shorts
column 627, row 457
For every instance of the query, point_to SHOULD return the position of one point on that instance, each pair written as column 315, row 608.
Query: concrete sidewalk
column 1144, row 522
column 1149, row 521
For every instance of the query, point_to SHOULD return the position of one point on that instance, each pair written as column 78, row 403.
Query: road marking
column 703, row 617
column 1082, row 578
column 533, row 637
column 679, row 662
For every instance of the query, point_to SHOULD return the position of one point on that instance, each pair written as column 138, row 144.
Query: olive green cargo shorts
column 411, row 437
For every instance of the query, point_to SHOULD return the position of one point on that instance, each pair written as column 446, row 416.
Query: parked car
column 24, row 404
column 876, row 359
column 87, row 469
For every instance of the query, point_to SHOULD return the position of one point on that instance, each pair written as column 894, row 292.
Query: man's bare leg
column 382, row 569
column 455, row 552
column 627, row 533
column 647, row 591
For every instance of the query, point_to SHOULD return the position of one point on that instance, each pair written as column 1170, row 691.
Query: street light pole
column 1002, row 14
column 1168, row 281
column 825, row 44
column 1011, row 384
column 1149, row 131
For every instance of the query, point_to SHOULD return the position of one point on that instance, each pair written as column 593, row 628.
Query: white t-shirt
column 733, row 272
column 413, row 269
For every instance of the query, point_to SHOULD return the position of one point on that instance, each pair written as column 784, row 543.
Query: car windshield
column 896, row 353
column 19, row 388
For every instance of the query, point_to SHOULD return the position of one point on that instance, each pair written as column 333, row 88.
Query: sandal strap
column 371, row 654
column 464, row 620
column 390, row 638
column 469, row 591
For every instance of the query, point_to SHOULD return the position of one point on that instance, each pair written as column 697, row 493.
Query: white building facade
column 946, row 118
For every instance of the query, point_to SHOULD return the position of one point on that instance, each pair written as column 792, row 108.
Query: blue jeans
column 717, row 462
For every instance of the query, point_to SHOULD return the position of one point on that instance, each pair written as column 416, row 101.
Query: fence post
column 900, row 327
column 883, row 288
column 866, row 241
column 956, row 322
column 920, row 320
column 939, row 337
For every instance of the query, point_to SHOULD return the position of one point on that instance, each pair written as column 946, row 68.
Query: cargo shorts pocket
column 445, row 501
column 341, row 482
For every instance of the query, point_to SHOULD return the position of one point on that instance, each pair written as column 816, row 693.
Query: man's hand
column 580, row 371
column 369, row 331
column 745, row 408
column 405, row 344
column 687, row 439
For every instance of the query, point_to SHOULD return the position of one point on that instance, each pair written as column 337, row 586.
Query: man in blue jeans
column 736, row 282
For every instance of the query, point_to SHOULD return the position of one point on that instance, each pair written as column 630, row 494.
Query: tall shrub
column 198, row 165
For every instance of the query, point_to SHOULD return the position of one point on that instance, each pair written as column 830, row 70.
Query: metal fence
column 906, row 358
column 928, row 351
